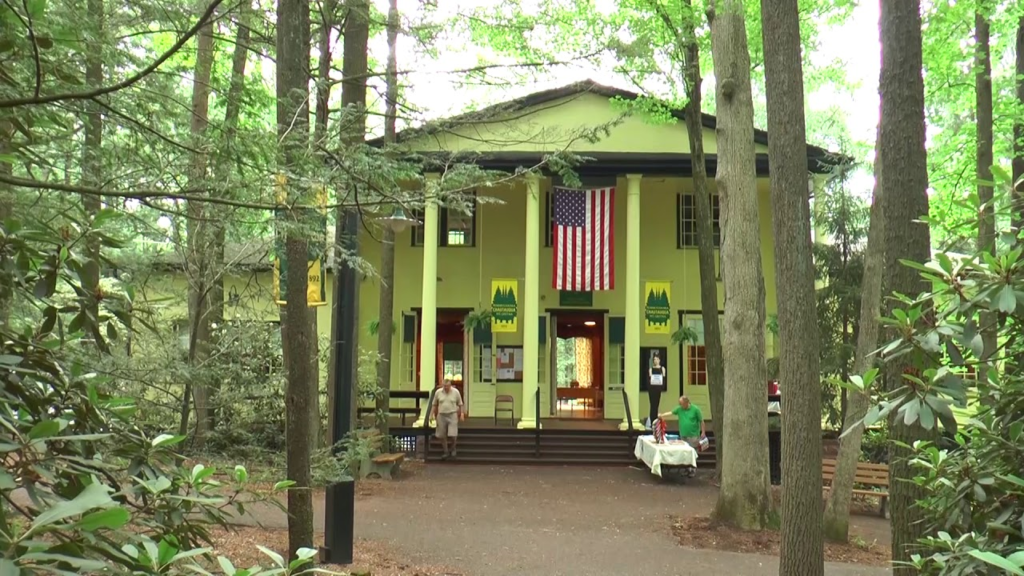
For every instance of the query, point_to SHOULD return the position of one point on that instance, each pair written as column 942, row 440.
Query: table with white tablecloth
column 671, row 453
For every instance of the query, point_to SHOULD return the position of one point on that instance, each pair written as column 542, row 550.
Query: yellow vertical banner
column 316, row 291
column 657, row 308
column 504, row 305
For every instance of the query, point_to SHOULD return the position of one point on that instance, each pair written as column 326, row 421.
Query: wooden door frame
column 602, row 315
column 418, row 313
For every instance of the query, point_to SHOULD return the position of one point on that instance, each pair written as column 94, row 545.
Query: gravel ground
column 488, row 520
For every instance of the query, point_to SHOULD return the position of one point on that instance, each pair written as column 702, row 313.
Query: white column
column 531, row 304
column 428, row 319
column 633, row 310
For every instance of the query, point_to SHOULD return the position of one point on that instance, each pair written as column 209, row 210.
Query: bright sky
column 432, row 88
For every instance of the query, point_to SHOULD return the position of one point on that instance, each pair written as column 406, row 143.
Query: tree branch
column 474, row 69
column 190, row 195
column 36, row 100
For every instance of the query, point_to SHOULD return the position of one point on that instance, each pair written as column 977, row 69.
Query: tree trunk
column 293, row 42
column 386, row 323
column 837, row 508
column 705, row 234
column 6, row 211
column 984, row 157
column 200, row 268
column 904, row 193
column 744, row 496
column 92, row 164
column 1018, row 135
column 353, row 132
column 802, row 550
column 232, row 109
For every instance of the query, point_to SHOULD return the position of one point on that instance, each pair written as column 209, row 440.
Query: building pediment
column 584, row 118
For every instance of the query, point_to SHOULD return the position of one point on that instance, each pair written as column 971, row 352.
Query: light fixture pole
column 339, row 513
column 339, row 518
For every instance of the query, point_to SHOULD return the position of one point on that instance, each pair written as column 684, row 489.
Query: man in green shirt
column 691, row 423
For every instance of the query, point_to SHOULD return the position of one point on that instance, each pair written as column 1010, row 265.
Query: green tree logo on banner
column 657, row 307
column 503, row 306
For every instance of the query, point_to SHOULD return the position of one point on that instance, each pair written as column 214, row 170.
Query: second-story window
column 686, row 208
column 455, row 228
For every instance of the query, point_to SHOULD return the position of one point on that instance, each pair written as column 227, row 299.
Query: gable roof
column 536, row 99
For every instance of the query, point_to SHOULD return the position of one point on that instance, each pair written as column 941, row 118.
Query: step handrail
column 629, row 415
column 426, row 425
column 536, row 433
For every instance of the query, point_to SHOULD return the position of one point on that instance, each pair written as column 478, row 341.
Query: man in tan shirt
column 448, row 412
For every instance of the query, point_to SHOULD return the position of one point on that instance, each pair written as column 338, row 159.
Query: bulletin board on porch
column 509, row 361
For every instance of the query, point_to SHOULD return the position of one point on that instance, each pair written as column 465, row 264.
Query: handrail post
column 629, row 414
column 426, row 425
column 536, row 431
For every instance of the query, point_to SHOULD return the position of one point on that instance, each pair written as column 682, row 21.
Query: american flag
column 584, row 247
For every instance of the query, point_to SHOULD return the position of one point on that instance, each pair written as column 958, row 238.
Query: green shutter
column 442, row 228
column 542, row 330
column 408, row 328
column 482, row 335
column 616, row 330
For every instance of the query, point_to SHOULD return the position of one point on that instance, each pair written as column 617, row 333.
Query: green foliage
column 974, row 509
column 328, row 465
column 874, row 445
column 100, row 494
column 478, row 319
column 949, row 84
column 245, row 376
column 641, row 38
column 685, row 335
column 839, row 264
column 566, row 360
column 373, row 327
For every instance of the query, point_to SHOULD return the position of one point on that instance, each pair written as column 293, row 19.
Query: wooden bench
column 382, row 464
column 867, row 474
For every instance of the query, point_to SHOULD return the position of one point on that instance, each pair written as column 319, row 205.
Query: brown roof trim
column 822, row 155
column 605, row 164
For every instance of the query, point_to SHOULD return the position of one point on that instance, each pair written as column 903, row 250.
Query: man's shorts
column 447, row 425
column 693, row 441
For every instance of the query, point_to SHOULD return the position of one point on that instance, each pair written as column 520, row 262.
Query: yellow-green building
column 451, row 265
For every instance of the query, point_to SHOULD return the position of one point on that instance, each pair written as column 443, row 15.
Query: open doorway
column 578, row 365
column 450, row 351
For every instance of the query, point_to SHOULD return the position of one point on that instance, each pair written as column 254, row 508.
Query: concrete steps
column 557, row 447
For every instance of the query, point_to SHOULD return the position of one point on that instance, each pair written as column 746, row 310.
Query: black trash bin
column 775, row 456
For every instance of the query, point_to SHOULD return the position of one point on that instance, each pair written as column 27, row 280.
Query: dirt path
column 549, row 520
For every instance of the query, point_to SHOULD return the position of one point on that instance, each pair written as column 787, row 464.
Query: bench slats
column 389, row 458
column 867, row 473
column 831, row 464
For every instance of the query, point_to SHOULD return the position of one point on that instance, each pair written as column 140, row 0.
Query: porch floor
column 546, row 423
column 549, row 423
column 483, row 423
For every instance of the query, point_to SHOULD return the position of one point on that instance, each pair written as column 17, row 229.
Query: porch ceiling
column 605, row 164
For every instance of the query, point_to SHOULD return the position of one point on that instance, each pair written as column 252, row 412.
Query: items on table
column 659, row 430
